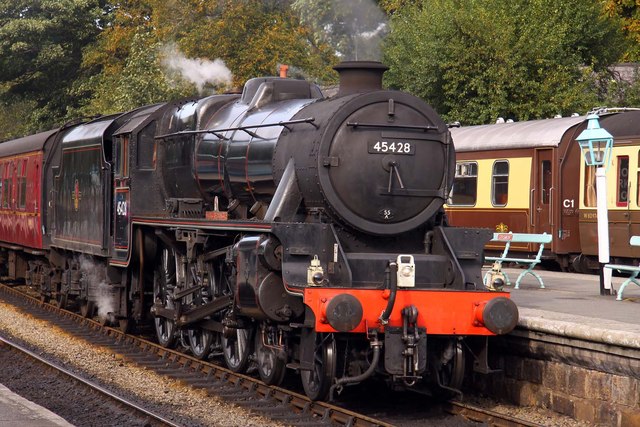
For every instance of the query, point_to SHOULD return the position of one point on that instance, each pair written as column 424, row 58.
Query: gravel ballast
column 163, row 395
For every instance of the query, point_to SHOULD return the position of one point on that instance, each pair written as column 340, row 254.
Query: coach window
column 500, row 183
column 638, row 182
column 545, row 182
column 6, row 187
column 622, row 195
column 22, row 184
column 465, row 184
column 590, row 186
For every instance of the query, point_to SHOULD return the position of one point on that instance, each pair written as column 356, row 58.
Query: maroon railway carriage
column 22, row 187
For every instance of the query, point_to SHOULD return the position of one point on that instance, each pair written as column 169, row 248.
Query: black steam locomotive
column 275, row 227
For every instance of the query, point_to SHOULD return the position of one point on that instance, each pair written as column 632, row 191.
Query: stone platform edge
column 581, row 327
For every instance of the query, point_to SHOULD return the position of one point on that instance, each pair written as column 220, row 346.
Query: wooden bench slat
column 522, row 237
column 622, row 267
column 520, row 260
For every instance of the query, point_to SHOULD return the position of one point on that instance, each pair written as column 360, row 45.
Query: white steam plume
column 197, row 71
column 96, row 276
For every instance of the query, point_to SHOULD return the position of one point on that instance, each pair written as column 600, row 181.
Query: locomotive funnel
column 360, row 76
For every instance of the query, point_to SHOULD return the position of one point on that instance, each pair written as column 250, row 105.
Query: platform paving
column 18, row 411
column 572, row 303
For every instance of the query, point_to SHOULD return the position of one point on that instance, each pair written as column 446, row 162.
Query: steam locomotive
column 276, row 228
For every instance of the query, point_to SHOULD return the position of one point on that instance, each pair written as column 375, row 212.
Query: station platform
column 18, row 411
column 571, row 304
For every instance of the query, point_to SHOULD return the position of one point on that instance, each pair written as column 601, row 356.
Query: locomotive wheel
column 87, row 308
column 165, row 282
column 237, row 349
column 317, row 381
column 124, row 325
column 62, row 300
column 451, row 374
column 200, row 341
column 271, row 367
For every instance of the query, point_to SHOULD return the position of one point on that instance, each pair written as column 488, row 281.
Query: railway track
column 90, row 386
column 275, row 403
column 490, row 418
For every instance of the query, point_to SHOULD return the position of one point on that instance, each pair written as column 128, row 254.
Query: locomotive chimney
column 360, row 76
column 284, row 68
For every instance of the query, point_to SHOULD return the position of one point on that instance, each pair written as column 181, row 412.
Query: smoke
column 355, row 28
column 95, row 275
column 201, row 72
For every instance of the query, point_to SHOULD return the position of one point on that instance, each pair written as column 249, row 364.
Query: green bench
column 634, row 270
column 530, row 263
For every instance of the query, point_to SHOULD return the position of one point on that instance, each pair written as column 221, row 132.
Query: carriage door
column 121, row 199
column 543, row 193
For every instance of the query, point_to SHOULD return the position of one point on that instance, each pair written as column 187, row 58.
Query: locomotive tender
column 277, row 228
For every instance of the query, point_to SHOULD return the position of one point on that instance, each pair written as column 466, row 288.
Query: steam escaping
column 95, row 275
column 201, row 72
column 105, row 300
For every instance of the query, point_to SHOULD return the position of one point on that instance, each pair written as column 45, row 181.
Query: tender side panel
column 80, row 197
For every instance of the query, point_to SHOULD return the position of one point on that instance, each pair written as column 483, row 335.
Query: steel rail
column 491, row 418
column 90, row 384
column 320, row 411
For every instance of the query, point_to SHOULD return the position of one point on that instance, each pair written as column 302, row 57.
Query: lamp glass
column 596, row 143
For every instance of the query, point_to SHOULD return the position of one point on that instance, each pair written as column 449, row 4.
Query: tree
column 629, row 13
column 253, row 37
column 12, row 119
column 41, row 46
column 520, row 59
column 133, row 58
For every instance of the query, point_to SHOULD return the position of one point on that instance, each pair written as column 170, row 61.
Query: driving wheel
column 317, row 381
column 237, row 349
column 163, row 286
column 270, row 357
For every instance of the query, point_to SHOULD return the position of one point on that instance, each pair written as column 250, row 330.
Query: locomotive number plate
column 392, row 147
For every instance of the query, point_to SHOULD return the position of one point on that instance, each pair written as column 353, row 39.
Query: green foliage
column 12, row 119
column 474, row 60
column 628, row 11
column 477, row 60
column 41, row 46
column 139, row 81
column 252, row 37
